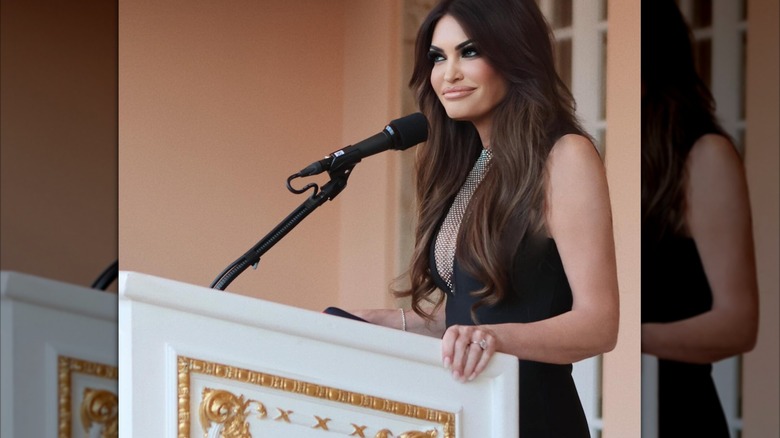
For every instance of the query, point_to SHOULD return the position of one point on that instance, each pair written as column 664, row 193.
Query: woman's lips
column 457, row 92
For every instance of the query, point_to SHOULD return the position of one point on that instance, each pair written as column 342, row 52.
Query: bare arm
column 719, row 221
column 579, row 220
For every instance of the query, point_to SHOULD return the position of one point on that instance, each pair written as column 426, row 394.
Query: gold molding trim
column 186, row 366
column 218, row 406
column 66, row 366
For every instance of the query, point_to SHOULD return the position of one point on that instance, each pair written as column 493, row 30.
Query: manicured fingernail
column 471, row 377
column 447, row 362
column 456, row 375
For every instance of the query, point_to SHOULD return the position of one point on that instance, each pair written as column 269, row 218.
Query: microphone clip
column 339, row 173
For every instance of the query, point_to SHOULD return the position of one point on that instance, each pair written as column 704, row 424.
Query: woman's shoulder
column 576, row 183
column 713, row 149
column 573, row 140
column 713, row 158
column 714, row 169
column 573, row 152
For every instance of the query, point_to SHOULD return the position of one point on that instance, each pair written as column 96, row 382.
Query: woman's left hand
column 467, row 349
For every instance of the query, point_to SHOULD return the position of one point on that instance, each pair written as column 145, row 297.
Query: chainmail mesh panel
column 446, row 240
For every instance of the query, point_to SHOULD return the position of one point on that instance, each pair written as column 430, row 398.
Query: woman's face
column 467, row 86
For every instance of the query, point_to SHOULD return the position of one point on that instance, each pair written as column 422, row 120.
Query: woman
column 514, row 229
column 699, row 287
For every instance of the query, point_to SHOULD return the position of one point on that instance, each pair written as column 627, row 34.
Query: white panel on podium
column 59, row 359
column 199, row 362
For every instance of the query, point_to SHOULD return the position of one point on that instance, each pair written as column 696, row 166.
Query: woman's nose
column 452, row 72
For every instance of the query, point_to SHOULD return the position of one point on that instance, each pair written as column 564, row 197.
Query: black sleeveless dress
column 675, row 287
column 549, row 403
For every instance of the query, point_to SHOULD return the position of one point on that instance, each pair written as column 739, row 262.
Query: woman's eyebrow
column 463, row 44
column 458, row 47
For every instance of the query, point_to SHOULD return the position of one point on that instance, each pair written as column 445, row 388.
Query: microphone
column 400, row 134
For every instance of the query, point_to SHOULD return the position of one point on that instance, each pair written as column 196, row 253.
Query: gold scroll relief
column 100, row 407
column 97, row 407
column 222, row 407
column 226, row 402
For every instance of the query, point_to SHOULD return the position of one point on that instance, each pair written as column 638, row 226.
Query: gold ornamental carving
column 98, row 406
column 231, row 411
column 359, row 431
column 284, row 415
column 416, row 434
column 222, row 407
column 322, row 423
column 387, row 433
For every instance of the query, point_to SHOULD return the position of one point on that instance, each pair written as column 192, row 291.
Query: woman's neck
column 484, row 127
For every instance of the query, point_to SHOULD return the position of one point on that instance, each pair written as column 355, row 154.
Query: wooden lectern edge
column 58, row 295
column 250, row 311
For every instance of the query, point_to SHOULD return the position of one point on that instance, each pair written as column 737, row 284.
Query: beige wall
column 761, row 382
column 58, row 136
column 218, row 104
column 622, row 385
column 368, row 207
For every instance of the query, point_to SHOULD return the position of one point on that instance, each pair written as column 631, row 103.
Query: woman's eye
column 435, row 57
column 469, row 52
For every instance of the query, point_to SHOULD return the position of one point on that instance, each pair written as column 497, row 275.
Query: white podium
column 199, row 362
column 58, row 366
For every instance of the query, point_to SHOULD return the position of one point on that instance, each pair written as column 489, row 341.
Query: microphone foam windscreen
column 411, row 129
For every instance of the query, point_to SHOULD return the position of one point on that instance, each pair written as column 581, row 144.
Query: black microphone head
column 408, row 131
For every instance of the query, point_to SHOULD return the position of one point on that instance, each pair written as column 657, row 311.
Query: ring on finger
column 482, row 343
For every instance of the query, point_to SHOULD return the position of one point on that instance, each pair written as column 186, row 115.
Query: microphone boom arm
column 399, row 134
column 338, row 181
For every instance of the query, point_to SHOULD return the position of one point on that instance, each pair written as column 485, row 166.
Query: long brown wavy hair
column 677, row 109
column 515, row 39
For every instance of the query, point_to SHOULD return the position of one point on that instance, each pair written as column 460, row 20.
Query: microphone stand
column 337, row 183
column 107, row 276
